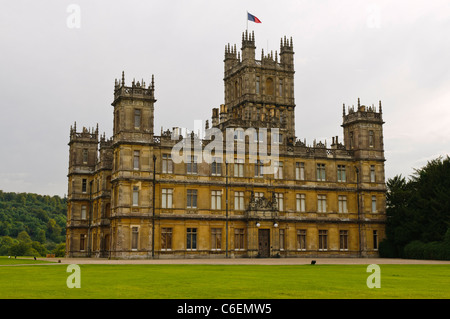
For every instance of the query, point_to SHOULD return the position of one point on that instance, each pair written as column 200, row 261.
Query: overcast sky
column 56, row 69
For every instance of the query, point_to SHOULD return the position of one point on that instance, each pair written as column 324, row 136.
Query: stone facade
column 130, row 197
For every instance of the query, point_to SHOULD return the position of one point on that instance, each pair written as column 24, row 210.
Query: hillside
column 31, row 224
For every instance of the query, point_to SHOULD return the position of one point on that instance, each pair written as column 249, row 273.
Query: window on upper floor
column 216, row 200
column 269, row 86
column 300, row 171
column 341, row 174
column 342, row 204
column 300, row 202
column 136, row 159
column 137, row 118
column 258, row 83
column 135, row 196
column 238, row 167
column 84, row 185
column 320, row 172
column 322, row 203
column 191, row 165
column 85, row 156
column 191, row 198
column 372, row 174
column 167, row 164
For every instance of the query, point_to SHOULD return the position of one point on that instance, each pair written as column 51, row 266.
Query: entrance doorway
column 264, row 243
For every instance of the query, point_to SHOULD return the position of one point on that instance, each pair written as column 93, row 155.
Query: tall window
column 372, row 173
column 239, row 135
column 322, row 203
column 191, row 239
column 191, row 165
column 136, row 156
column 374, row 204
column 117, row 118
column 216, row 167
column 301, row 239
column 135, row 196
column 351, row 140
column 134, row 238
column 323, row 240
column 278, row 174
column 300, row 171
column 83, row 212
column 216, row 238
column 258, row 83
column 280, row 87
column 239, row 201
column 343, row 239
column 371, row 139
column 320, row 172
column 300, row 202
column 238, row 167
column 281, row 239
column 259, row 168
column 84, row 185
column 166, row 200
column 279, row 197
column 85, row 156
column 269, row 86
column 375, row 240
column 137, row 118
column 341, row 173
column 166, row 238
column 191, row 198
column 342, row 204
column 82, row 242
column 167, row 164
column 277, row 138
column 216, row 199
column 239, row 238
column 259, row 137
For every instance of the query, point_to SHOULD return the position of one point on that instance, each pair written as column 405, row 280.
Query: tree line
column 32, row 224
column 418, row 213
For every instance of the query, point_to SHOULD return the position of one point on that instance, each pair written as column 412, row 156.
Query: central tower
column 258, row 93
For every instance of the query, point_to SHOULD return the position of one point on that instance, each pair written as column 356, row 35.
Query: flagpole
column 247, row 20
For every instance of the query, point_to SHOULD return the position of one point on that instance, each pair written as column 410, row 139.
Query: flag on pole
column 251, row 17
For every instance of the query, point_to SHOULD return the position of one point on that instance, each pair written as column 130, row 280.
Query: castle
column 140, row 195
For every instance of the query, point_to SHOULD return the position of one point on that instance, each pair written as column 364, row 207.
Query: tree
column 418, row 212
column 5, row 244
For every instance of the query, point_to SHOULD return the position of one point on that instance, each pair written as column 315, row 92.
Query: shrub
column 414, row 250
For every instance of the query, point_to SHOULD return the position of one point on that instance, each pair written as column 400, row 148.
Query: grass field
column 224, row 282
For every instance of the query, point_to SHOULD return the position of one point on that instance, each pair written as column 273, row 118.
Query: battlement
column 86, row 135
column 287, row 45
column 230, row 52
column 362, row 113
column 136, row 90
column 104, row 142
column 248, row 40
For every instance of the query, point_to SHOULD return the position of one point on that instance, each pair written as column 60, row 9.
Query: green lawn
column 225, row 282
column 5, row 260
